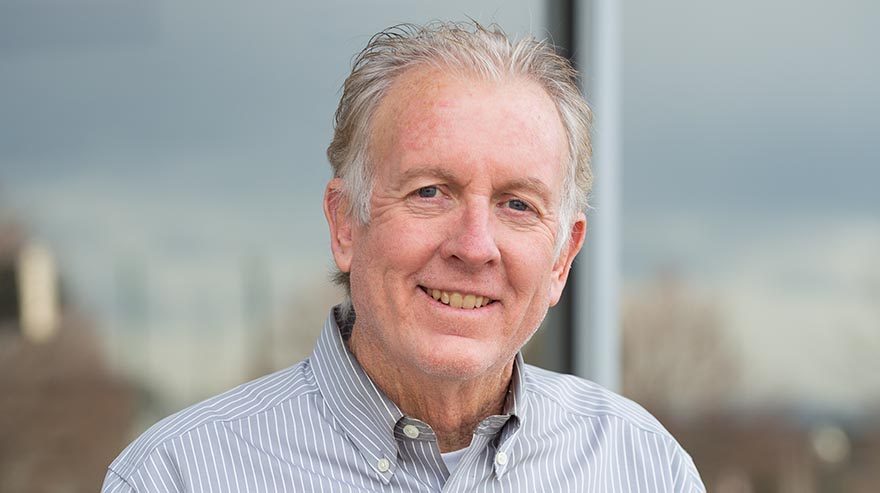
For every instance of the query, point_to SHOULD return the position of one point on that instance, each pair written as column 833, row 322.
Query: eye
column 518, row 205
column 427, row 192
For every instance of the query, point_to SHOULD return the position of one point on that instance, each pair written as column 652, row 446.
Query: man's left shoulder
column 589, row 400
column 613, row 426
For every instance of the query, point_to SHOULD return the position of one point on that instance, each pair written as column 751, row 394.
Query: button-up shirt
column 323, row 425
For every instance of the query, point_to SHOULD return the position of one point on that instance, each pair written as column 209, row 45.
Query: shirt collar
column 366, row 414
column 515, row 410
column 515, row 404
column 369, row 417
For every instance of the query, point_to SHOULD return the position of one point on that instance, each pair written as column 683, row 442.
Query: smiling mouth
column 464, row 301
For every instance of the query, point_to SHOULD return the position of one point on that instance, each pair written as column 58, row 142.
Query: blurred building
column 63, row 417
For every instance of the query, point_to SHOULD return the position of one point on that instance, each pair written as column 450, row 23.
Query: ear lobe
column 336, row 212
column 562, row 266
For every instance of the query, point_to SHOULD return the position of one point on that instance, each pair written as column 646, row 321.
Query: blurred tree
column 675, row 358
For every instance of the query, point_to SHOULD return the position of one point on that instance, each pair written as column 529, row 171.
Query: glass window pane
column 751, row 237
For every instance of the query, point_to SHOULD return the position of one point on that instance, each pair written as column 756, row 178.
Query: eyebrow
column 532, row 185
column 426, row 171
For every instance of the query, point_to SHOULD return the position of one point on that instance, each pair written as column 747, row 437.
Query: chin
column 451, row 361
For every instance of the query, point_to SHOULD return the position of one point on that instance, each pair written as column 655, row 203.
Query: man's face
column 468, row 181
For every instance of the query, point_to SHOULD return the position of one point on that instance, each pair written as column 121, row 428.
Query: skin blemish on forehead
column 421, row 129
column 407, row 129
column 417, row 133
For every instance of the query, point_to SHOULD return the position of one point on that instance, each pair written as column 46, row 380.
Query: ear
column 562, row 266
column 336, row 212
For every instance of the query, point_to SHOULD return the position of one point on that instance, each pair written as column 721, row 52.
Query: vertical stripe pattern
column 322, row 425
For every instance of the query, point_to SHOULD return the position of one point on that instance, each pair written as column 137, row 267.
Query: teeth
column 458, row 300
column 469, row 301
column 455, row 300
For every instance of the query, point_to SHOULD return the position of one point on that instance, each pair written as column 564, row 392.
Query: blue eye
column 428, row 192
column 518, row 205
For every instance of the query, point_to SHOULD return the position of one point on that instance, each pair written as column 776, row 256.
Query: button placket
column 501, row 461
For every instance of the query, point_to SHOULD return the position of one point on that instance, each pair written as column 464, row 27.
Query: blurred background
column 161, row 235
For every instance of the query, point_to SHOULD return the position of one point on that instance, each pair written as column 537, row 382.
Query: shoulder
column 625, row 425
column 246, row 400
column 588, row 400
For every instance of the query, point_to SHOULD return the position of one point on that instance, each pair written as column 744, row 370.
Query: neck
column 452, row 407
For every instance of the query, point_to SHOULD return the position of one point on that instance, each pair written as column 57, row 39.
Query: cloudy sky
column 185, row 138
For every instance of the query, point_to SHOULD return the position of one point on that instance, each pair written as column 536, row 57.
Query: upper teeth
column 458, row 300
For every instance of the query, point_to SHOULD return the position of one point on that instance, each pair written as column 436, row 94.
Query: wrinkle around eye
column 520, row 220
column 427, row 205
column 528, row 213
column 528, row 221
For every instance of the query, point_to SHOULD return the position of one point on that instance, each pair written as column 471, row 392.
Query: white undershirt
column 451, row 459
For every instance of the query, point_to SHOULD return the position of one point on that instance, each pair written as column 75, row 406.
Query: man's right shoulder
column 240, row 403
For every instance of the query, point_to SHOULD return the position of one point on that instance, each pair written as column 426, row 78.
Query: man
column 461, row 170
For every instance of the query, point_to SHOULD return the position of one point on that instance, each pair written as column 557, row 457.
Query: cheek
column 415, row 237
column 529, row 268
column 397, row 248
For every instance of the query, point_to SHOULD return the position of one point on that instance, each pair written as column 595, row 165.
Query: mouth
column 456, row 299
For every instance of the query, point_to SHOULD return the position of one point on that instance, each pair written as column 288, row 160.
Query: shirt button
column 383, row 465
column 501, row 458
column 411, row 431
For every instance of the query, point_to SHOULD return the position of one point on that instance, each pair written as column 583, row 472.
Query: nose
column 471, row 238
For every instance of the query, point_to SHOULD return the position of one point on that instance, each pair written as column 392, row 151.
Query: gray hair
column 470, row 49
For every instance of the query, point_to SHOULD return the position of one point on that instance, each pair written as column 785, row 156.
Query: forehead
column 430, row 116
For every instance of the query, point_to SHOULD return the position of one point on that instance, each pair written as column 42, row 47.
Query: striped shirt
column 323, row 425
